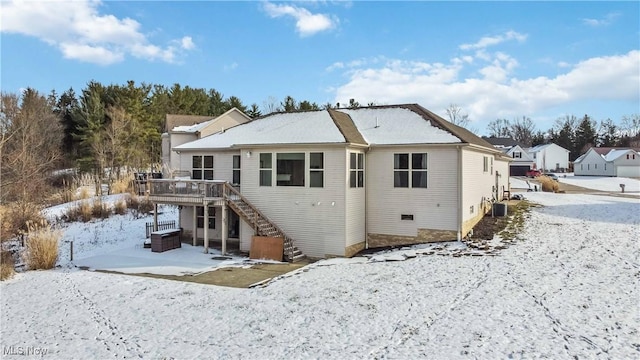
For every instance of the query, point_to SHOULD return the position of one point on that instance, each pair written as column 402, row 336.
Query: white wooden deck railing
column 186, row 188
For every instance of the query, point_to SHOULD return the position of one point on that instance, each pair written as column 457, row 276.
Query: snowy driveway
column 568, row 289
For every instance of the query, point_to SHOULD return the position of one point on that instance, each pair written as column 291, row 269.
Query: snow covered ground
column 603, row 183
column 569, row 288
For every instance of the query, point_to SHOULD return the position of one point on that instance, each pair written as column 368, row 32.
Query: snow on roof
column 614, row 154
column 385, row 126
column 311, row 127
column 192, row 128
column 538, row 147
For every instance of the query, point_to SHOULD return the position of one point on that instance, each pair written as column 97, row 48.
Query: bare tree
column 630, row 127
column 271, row 105
column 458, row 117
column 499, row 128
column 522, row 130
column 31, row 145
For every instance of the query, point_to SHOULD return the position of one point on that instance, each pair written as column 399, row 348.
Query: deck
column 185, row 192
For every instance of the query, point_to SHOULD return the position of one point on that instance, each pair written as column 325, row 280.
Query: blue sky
column 543, row 60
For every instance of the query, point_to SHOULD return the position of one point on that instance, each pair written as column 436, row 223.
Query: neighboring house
column 187, row 128
column 550, row 157
column 623, row 162
column 502, row 142
column 335, row 182
column 522, row 161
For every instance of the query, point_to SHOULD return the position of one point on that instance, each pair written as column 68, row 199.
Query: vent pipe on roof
column 377, row 126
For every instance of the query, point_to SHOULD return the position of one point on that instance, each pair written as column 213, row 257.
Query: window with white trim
column 236, row 170
column 356, row 170
column 266, row 169
column 290, row 169
column 485, row 164
column 200, row 217
column 517, row 155
column 202, row 167
column 316, row 169
column 414, row 164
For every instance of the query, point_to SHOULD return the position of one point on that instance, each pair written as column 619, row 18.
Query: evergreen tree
column 289, row 104
column 563, row 134
column 235, row 102
column 253, row 111
column 586, row 135
column 65, row 106
column 538, row 138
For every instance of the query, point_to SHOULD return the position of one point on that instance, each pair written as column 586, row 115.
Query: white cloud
column 93, row 54
column 81, row 33
column 231, row 66
column 607, row 20
column 306, row 23
column 494, row 40
column 494, row 92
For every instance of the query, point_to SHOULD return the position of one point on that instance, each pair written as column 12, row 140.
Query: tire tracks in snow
column 108, row 333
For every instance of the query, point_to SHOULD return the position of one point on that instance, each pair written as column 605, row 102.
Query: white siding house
column 550, row 157
column 522, row 161
column 339, row 181
column 622, row 162
column 183, row 134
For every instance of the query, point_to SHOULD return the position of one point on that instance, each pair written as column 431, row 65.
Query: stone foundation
column 424, row 236
column 469, row 224
column 349, row 251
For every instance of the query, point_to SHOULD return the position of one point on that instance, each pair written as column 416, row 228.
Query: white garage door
column 628, row 171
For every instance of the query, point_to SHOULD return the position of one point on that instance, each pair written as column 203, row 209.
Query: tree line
column 572, row 133
column 116, row 126
column 102, row 127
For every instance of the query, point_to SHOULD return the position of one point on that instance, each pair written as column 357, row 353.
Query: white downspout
column 366, row 196
column 459, row 197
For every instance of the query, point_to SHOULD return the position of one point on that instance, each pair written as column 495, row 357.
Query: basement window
column 200, row 217
column 406, row 217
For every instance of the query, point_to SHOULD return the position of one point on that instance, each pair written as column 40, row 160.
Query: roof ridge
column 458, row 131
column 347, row 127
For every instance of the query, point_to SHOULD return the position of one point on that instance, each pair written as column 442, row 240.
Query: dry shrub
column 15, row 218
column 139, row 206
column 122, row 185
column 132, row 202
column 82, row 211
column 120, row 207
column 84, row 193
column 100, row 210
column 41, row 247
column 548, row 184
column 146, row 205
column 7, row 266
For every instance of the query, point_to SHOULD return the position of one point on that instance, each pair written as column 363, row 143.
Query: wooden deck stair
column 262, row 224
